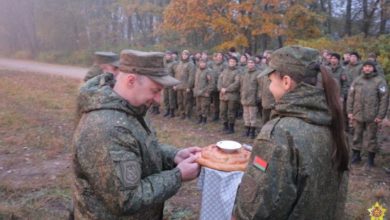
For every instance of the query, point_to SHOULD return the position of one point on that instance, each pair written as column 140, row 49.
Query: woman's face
column 277, row 86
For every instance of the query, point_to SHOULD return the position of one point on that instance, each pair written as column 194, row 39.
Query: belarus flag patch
column 260, row 164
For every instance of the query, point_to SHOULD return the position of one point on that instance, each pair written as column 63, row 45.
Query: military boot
column 225, row 127
column 371, row 157
column 253, row 132
column 216, row 117
column 204, row 120
column 231, row 128
column 167, row 113
column 247, row 130
column 157, row 111
column 356, row 157
column 172, row 113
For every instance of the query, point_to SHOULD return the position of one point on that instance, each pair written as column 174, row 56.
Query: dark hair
column 340, row 149
column 335, row 55
column 233, row 58
column 355, row 54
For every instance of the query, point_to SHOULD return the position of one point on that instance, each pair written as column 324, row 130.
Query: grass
column 35, row 163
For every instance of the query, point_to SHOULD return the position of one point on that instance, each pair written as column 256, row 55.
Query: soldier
column 298, row 164
column 121, row 170
column 103, row 62
column 204, row 85
column 229, row 95
column 367, row 105
column 185, row 73
column 346, row 58
column 338, row 73
column 169, row 93
column 249, row 99
column 218, row 66
column 243, row 62
column 354, row 67
column 325, row 58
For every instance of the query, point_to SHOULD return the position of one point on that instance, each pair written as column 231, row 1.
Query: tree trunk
column 383, row 18
column 348, row 18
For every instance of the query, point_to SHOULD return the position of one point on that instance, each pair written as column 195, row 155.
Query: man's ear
column 130, row 79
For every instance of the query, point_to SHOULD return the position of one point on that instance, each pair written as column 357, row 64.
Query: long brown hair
column 340, row 149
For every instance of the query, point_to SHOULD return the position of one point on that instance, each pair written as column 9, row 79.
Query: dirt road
column 44, row 68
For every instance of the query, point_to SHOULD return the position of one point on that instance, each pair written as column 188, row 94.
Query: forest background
column 69, row 31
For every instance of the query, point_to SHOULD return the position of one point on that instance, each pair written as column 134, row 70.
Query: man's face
column 204, row 56
column 334, row 61
column 232, row 62
column 251, row 65
column 243, row 59
column 168, row 56
column 185, row 56
column 346, row 56
column 148, row 92
column 202, row 65
column 367, row 69
column 218, row 57
column 353, row 59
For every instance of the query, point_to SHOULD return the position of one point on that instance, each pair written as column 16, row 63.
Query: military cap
column 294, row 60
column 103, row 57
column 149, row 64
column 186, row 52
column 370, row 63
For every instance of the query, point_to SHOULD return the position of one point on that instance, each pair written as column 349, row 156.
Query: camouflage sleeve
column 260, row 87
column 111, row 160
column 383, row 93
column 211, row 82
column 344, row 84
column 350, row 99
column 268, row 188
column 168, row 153
column 235, row 86
column 94, row 71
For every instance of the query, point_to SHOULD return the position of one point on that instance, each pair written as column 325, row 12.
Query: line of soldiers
column 233, row 88
column 228, row 87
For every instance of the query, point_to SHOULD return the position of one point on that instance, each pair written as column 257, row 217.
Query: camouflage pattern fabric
column 95, row 70
column 249, row 87
column 121, row 171
column 204, row 82
column 298, row 181
column 185, row 72
column 353, row 71
column 230, row 80
column 341, row 78
column 368, row 98
column 266, row 97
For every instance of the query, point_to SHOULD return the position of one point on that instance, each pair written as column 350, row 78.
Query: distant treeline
column 69, row 31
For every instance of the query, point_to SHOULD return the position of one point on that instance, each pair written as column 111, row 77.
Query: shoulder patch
column 130, row 173
column 382, row 88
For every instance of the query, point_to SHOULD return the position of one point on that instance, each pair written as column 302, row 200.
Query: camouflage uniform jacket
column 185, row 72
column 218, row 68
column 95, row 70
column 170, row 67
column 266, row 97
column 121, row 171
column 249, row 87
column 230, row 80
column 204, row 82
column 299, row 181
column 338, row 73
column 353, row 71
column 368, row 98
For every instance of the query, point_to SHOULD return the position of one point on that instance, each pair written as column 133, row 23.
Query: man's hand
column 188, row 90
column 185, row 153
column 223, row 90
column 350, row 116
column 189, row 168
column 174, row 88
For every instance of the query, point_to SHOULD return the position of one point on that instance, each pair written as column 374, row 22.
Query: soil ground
column 36, row 125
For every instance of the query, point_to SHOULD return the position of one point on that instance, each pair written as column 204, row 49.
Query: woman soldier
column 298, row 164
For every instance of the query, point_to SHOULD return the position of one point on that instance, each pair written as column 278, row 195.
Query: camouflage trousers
column 169, row 98
column 365, row 133
column 215, row 101
column 250, row 115
column 228, row 110
column 184, row 102
column 203, row 106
